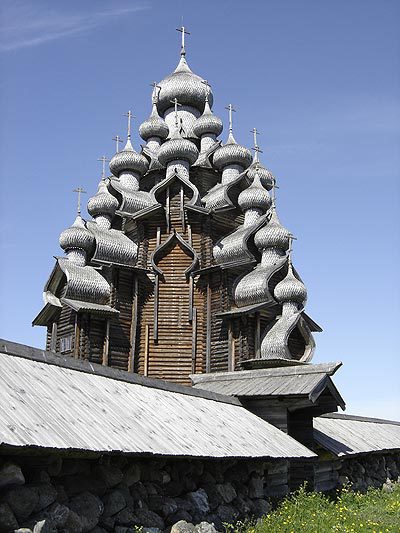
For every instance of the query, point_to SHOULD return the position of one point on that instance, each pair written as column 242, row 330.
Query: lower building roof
column 347, row 435
column 58, row 403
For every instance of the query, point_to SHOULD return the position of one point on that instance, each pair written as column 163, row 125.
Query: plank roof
column 302, row 380
column 347, row 435
column 58, row 403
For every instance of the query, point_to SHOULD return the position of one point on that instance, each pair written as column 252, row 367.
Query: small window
column 66, row 344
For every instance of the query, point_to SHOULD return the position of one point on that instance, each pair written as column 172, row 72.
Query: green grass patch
column 311, row 512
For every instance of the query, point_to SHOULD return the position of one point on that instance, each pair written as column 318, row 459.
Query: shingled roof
column 58, row 403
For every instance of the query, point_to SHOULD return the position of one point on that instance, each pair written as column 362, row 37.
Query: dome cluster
column 77, row 237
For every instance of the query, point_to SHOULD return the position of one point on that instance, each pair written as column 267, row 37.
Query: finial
column 230, row 109
column 80, row 191
column 256, row 148
column 118, row 141
column 183, row 32
column 208, row 87
column 176, row 104
column 155, row 94
column 104, row 160
column 130, row 117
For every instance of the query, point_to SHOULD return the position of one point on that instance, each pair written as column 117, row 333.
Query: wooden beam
column 191, row 283
column 77, row 336
column 106, row 346
column 146, row 351
column 53, row 342
column 156, row 305
column 194, row 340
column 208, row 334
column 231, row 348
column 257, row 340
column 134, row 325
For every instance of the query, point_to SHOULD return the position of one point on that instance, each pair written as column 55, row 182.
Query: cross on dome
column 183, row 31
column 231, row 110
column 130, row 117
column 176, row 104
column 155, row 92
column 118, row 141
column 80, row 191
column 208, row 88
column 104, row 160
column 256, row 148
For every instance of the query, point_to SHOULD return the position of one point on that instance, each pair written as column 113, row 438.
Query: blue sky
column 319, row 79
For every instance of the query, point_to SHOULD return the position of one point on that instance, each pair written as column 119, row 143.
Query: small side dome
column 177, row 148
column 266, row 177
column 208, row 123
column 154, row 126
column 77, row 237
column 128, row 160
column 290, row 289
column 232, row 154
column 254, row 197
column 273, row 234
column 184, row 85
column 103, row 202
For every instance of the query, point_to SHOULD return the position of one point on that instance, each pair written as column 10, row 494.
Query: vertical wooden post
column 189, row 228
column 77, row 335
column 182, row 209
column 156, row 291
column 53, row 341
column 257, row 340
column 191, row 283
column 208, row 335
column 231, row 348
column 134, row 325
column 146, row 351
column 194, row 340
column 168, row 210
column 106, row 345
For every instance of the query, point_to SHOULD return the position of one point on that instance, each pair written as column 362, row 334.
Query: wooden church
column 185, row 267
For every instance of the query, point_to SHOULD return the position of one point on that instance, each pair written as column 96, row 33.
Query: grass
column 351, row 512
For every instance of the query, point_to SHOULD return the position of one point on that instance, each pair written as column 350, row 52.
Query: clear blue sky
column 320, row 80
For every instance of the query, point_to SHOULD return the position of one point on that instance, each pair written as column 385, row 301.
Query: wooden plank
column 106, row 347
column 194, row 339
column 134, row 326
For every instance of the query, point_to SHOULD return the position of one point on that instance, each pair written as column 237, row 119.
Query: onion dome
column 232, row 154
column 273, row 234
column 128, row 160
column 154, row 126
column 103, row 202
column 207, row 122
column 77, row 237
column 184, row 85
column 177, row 148
column 254, row 197
column 290, row 289
column 266, row 177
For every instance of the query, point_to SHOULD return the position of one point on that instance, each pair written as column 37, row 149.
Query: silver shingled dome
column 77, row 237
column 208, row 123
column 103, row 202
column 266, row 177
column 273, row 234
column 129, row 160
column 232, row 154
column 254, row 197
column 291, row 289
column 154, row 126
column 184, row 85
column 177, row 148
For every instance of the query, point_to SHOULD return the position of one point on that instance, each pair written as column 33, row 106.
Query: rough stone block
column 8, row 522
column 11, row 474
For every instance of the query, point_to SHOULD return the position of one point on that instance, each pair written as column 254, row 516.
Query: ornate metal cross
column 104, row 160
column 176, row 104
column 208, row 88
column 231, row 110
column 130, row 117
column 183, row 32
column 290, row 248
column 80, row 191
column 118, row 141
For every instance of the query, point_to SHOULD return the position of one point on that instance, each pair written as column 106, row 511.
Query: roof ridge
column 15, row 349
column 343, row 416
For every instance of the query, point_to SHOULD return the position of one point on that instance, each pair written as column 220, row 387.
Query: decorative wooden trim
column 194, row 340
column 257, row 340
column 135, row 308
column 181, row 209
column 231, row 348
column 106, row 346
column 191, row 290
column 168, row 210
column 156, row 305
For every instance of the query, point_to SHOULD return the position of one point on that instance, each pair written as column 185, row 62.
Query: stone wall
column 113, row 493
column 370, row 470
